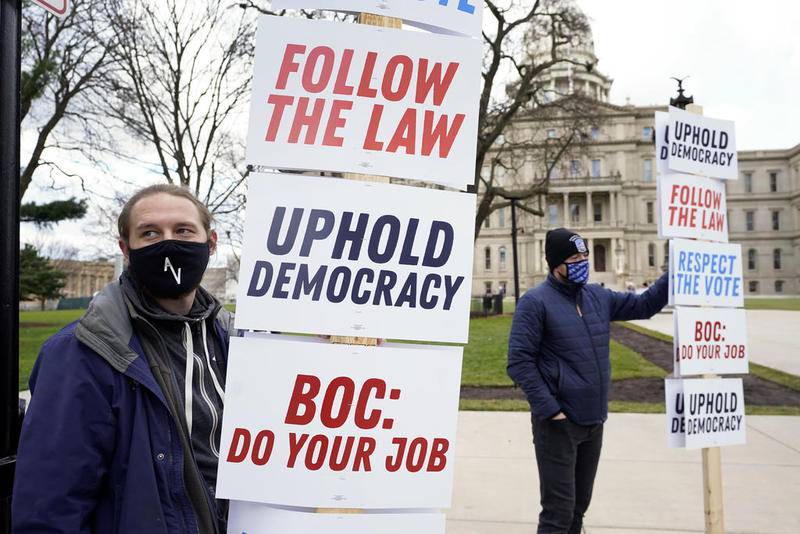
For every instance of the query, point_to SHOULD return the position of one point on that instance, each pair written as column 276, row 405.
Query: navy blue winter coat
column 99, row 451
column 559, row 344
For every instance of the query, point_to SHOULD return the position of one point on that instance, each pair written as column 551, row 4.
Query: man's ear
column 212, row 242
column 124, row 248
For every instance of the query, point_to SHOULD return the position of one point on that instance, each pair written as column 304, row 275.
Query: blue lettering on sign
column 463, row 5
column 707, row 273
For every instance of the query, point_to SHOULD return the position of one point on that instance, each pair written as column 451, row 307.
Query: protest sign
column 692, row 207
column 453, row 16
column 710, row 340
column 341, row 257
column 253, row 518
column 323, row 425
column 714, row 412
column 676, row 424
column 705, row 274
column 700, row 145
column 364, row 99
column 662, row 142
column 59, row 8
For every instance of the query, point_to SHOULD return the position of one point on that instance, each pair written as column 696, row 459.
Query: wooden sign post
column 388, row 22
column 712, row 456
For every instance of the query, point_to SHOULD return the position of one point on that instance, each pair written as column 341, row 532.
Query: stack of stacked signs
column 695, row 154
column 322, row 427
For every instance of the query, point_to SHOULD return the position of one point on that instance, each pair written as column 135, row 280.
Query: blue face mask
column 578, row 272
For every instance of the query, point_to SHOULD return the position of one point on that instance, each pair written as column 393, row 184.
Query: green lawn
column 791, row 304
column 485, row 356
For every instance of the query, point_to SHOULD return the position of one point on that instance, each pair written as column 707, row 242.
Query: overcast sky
column 742, row 59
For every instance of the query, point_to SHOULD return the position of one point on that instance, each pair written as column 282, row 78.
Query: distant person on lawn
column 558, row 354
column 123, row 429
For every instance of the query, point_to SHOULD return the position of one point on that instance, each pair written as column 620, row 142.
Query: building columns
column 613, row 201
column 537, row 256
column 589, row 210
column 566, row 210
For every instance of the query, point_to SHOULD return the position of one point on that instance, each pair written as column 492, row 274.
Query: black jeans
column 567, row 456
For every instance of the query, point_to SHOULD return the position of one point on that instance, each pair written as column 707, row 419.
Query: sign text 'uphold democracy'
column 356, row 258
column 405, row 105
column 701, row 145
column 306, row 422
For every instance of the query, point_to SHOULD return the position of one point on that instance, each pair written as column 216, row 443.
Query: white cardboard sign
column 253, row 518
column 676, row 424
column 702, row 145
column 339, row 426
column 364, row 99
column 692, row 207
column 59, row 8
column 662, row 142
column 710, row 340
column 714, row 412
column 342, row 257
column 705, row 274
column 453, row 16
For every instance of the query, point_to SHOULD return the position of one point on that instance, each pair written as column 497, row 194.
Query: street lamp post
column 10, row 24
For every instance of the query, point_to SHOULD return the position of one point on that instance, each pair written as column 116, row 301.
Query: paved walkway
column 641, row 487
column 772, row 336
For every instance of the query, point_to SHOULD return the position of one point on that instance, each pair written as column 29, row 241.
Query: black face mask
column 171, row 268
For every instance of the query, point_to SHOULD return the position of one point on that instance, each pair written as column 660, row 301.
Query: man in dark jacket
column 122, row 433
column 558, row 355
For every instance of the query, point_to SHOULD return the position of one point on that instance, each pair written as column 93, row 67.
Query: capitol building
column 608, row 195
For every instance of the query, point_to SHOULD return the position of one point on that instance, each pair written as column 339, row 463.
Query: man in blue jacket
column 558, row 355
column 122, row 433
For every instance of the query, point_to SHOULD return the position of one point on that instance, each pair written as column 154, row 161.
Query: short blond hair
column 124, row 220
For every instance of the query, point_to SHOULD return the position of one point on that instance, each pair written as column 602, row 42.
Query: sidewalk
column 641, row 487
column 771, row 336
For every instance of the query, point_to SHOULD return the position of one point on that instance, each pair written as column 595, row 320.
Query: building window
column 773, row 182
column 666, row 254
column 595, row 168
column 648, row 170
column 594, row 133
column 649, row 213
column 575, row 213
column 753, row 286
column 749, row 217
column 574, row 168
column 551, row 133
column 776, row 220
column 647, row 133
column 752, row 259
column 487, row 222
column 502, row 259
column 598, row 212
column 503, row 287
column 487, row 259
column 778, row 286
column 776, row 259
column 501, row 217
column 552, row 214
column 651, row 255
column 488, row 287
column 748, row 182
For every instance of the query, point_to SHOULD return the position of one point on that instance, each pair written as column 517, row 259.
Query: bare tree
column 181, row 75
column 522, row 44
column 62, row 63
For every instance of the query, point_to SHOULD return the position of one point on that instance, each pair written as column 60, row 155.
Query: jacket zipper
column 212, row 506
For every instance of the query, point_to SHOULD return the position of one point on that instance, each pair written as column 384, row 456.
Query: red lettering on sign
column 303, row 398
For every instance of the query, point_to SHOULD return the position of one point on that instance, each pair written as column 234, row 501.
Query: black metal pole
column 10, row 24
column 514, row 248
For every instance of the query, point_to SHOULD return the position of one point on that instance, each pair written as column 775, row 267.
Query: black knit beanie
column 560, row 244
